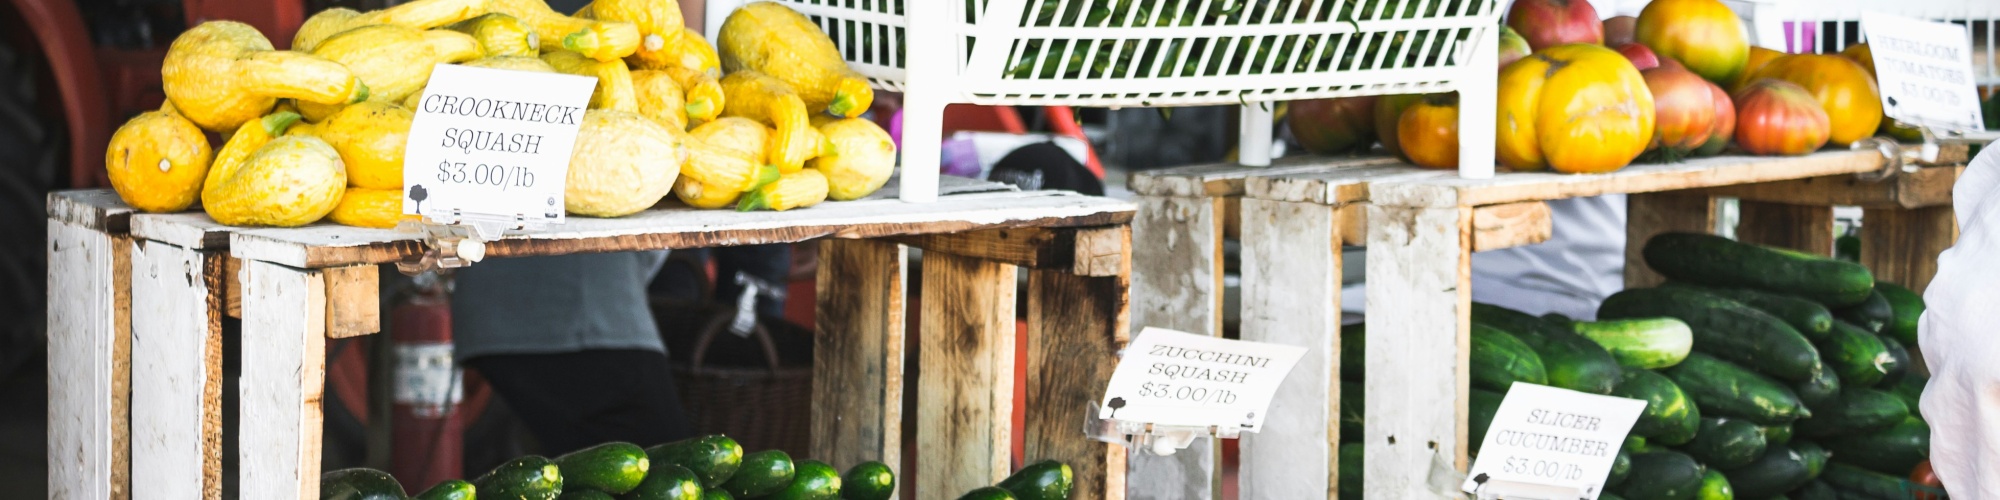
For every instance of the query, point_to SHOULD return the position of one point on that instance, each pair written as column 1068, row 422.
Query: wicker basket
column 763, row 408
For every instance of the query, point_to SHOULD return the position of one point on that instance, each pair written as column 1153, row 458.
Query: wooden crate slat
column 89, row 318
column 99, row 209
column 1419, row 300
column 1902, row 246
column 1648, row 215
column 1335, row 186
column 185, row 229
column 858, row 353
column 353, row 307
column 177, row 370
column 1511, row 225
column 1925, row 188
column 283, row 381
column 1177, row 285
column 965, row 393
column 1291, row 296
column 325, row 245
column 1806, row 228
column 1077, row 322
column 1227, row 179
column 1696, row 173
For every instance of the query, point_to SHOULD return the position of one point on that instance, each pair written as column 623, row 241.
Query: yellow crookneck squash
column 501, row 35
column 393, row 60
column 158, row 160
column 370, row 137
column 1576, row 108
column 614, row 81
column 222, row 74
column 766, row 99
column 262, row 179
column 773, row 39
column 419, row 15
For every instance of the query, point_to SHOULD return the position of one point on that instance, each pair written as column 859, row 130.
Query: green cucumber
column 988, row 493
column 1777, row 434
column 1867, row 483
column 581, row 494
column 1499, row 359
column 1908, row 306
column 1481, row 409
column 1780, row 470
column 1351, row 457
column 1621, row 468
column 451, row 489
column 1662, row 475
column 1810, row 318
column 1727, row 443
column 1910, row 389
column 1815, row 456
column 811, row 480
column 1857, row 411
column 1856, row 355
column 1815, row 490
column 869, row 480
column 614, row 467
column 1609, row 496
column 1558, row 319
column 667, row 482
column 1714, row 486
column 1353, row 407
column 1723, row 389
column 1724, row 328
column 527, row 478
column 1637, row 444
column 1569, row 360
column 763, row 473
column 1822, row 389
column 1670, row 416
column 1899, row 361
column 1354, row 352
column 1872, row 314
column 1717, row 261
column 713, row 458
column 359, row 484
column 1894, row 450
column 716, row 495
column 1044, row 480
column 1645, row 343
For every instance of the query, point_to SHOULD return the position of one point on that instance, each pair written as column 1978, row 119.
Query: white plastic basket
column 1827, row 26
column 1117, row 53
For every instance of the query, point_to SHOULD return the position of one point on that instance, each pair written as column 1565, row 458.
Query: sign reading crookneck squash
column 493, row 143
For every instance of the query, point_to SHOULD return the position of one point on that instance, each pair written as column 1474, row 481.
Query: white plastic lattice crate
column 1116, row 53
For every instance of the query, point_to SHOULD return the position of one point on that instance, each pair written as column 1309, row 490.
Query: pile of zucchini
column 703, row 468
column 1767, row 373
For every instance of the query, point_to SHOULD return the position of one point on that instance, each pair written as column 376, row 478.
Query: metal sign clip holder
column 1498, row 489
column 457, row 241
column 1160, row 440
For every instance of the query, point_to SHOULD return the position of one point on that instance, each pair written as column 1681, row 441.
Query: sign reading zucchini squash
column 493, row 143
column 1182, row 379
column 1545, row 437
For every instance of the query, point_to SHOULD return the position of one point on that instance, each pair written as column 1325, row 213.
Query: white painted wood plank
column 1419, row 298
column 176, row 373
column 1506, row 187
column 1291, row 296
column 99, row 209
column 89, row 363
column 1177, row 284
column 1227, row 179
column 192, row 230
column 327, row 245
column 284, row 379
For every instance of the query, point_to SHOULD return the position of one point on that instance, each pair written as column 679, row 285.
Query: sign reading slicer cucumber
column 1549, row 437
column 493, row 143
column 1183, row 379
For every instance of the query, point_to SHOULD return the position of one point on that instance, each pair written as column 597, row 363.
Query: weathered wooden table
column 136, row 303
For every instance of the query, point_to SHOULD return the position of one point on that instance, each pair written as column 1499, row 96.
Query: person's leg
column 575, row 400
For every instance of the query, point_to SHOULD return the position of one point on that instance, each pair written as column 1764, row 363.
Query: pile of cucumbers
column 1767, row 373
column 712, row 467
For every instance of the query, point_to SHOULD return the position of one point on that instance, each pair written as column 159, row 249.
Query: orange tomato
column 1428, row 131
column 1759, row 57
column 1860, row 53
column 1844, row 89
column 1776, row 117
column 1683, row 109
column 1704, row 35
column 1577, row 108
column 1388, row 112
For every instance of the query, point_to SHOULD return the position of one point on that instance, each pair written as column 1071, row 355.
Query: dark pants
column 575, row 400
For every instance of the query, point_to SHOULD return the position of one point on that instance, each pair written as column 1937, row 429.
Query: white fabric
column 1957, row 332
column 1582, row 263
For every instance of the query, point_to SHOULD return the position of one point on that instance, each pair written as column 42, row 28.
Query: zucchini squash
column 222, row 74
column 771, row 38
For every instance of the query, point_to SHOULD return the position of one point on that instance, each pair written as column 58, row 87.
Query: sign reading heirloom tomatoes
column 1925, row 70
column 1547, row 436
column 1182, row 379
column 493, row 143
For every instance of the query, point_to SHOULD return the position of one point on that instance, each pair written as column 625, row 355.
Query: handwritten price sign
column 493, row 142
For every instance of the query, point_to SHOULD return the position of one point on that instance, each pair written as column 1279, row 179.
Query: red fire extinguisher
column 428, row 426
